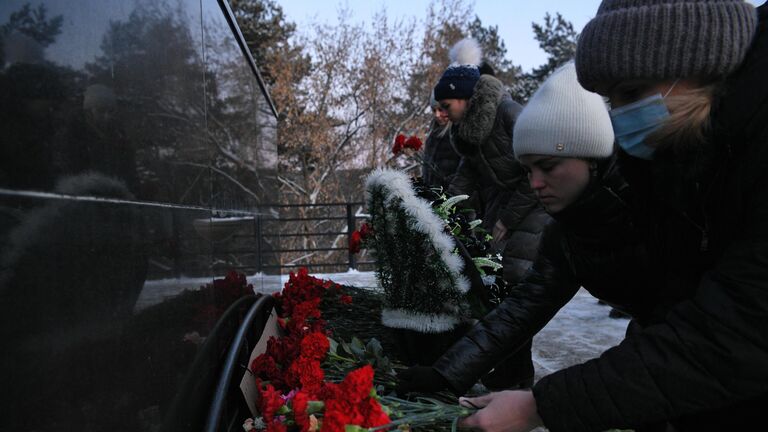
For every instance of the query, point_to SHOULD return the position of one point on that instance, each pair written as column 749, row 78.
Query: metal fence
column 315, row 236
column 277, row 237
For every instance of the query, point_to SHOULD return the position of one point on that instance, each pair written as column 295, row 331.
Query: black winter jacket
column 489, row 172
column 703, row 362
column 593, row 244
column 484, row 141
column 440, row 158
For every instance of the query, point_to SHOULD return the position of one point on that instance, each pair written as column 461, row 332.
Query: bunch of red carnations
column 293, row 392
column 402, row 142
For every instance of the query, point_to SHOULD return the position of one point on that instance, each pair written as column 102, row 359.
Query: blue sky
column 513, row 17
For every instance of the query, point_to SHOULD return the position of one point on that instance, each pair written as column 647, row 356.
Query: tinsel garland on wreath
column 416, row 266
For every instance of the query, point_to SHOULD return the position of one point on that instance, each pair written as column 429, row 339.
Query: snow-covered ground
column 580, row 331
column 157, row 291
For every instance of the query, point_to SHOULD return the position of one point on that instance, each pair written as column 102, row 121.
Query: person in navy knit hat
column 484, row 115
column 459, row 80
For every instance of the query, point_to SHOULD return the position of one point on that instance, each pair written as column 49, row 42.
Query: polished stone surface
column 136, row 145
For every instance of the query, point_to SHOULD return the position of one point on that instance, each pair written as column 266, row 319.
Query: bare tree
column 345, row 90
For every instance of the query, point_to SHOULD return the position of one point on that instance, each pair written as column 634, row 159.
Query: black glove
column 422, row 379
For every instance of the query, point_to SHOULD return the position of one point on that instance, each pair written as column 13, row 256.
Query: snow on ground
column 580, row 331
column 157, row 291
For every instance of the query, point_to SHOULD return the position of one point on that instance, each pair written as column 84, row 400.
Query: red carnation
column 399, row 144
column 307, row 374
column 300, row 415
column 303, row 315
column 264, row 367
column 413, row 143
column 354, row 242
column 338, row 414
column 283, row 349
column 358, row 383
column 312, row 375
column 329, row 391
column 270, row 402
column 299, row 288
column 315, row 346
column 346, row 299
column 318, row 326
column 351, row 403
column 374, row 414
column 366, row 230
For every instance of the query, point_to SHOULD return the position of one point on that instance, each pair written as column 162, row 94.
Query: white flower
column 254, row 424
column 248, row 425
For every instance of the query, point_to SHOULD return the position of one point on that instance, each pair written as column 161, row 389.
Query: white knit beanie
column 562, row 119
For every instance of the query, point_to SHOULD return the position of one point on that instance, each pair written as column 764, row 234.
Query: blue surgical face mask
column 634, row 122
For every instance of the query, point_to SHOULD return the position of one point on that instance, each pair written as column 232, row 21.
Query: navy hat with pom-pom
column 458, row 81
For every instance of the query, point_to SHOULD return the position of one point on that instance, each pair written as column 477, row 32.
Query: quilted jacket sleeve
column 464, row 182
column 522, row 200
column 547, row 287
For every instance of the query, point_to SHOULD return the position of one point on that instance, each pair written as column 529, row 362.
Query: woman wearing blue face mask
column 688, row 88
column 633, row 122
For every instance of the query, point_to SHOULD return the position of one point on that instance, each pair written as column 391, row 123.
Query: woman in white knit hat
column 564, row 139
column 559, row 137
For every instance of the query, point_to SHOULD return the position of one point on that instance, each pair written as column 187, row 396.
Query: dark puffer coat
column 488, row 167
column 440, row 158
column 703, row 363
column 590, row 244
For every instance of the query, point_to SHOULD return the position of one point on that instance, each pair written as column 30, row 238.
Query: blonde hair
column 689, row 122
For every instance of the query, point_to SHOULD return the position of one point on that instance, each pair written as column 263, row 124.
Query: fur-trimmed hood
column 484, row 141
column 481, row 114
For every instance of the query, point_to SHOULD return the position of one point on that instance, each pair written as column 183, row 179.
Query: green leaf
column 347, row 349
column 357, row 343
column 334, row 346
column 374, row 347
column 283, row 410
column 314, row 407
column 451, row 202
column 485, row 262
column 358, row 349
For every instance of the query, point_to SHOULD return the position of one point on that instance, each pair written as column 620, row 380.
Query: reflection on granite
column 142, row 125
